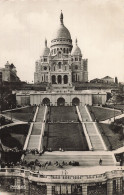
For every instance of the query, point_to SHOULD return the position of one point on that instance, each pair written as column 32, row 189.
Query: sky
column 98, row 26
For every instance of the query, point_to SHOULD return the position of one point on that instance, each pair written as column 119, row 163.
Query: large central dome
column 62, row 31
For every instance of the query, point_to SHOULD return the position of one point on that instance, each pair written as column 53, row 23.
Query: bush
column 116, row 128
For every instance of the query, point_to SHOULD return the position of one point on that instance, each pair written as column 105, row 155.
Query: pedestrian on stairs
column 100, row 161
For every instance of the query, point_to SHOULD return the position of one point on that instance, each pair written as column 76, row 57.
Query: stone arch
column 59, row 79
column 46, row 101
column 61, row 101
column 65, row 79
column 75, row 101
column 53, row 79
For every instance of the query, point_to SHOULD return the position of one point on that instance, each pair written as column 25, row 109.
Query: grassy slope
column 110, row 137
column 101, row 114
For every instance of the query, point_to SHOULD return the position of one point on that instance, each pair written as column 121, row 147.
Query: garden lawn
column 110, row 137
column 22, row 114
column 102, row 114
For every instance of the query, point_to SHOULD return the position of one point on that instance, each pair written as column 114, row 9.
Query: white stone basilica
column 60, row 64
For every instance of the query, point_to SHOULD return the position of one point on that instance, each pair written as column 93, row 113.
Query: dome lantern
column 61, row 18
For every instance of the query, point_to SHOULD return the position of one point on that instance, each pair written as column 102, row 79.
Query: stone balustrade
column 64, row 183
column 62, row 178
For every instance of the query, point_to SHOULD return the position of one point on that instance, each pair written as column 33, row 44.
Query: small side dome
column 46, row 50
column 76, row 50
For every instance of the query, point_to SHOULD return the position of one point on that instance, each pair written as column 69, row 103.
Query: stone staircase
column 33, row 142
column 40, row 114
column 35, row 137
column 94, row 136
column 84, row 114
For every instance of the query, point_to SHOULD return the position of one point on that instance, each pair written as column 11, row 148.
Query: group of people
column 36, row 165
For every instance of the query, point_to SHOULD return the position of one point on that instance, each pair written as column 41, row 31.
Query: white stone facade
column 60, row 64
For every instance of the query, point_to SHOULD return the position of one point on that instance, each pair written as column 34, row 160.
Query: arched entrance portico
column 61, row 102
column 76, row 102
column 46, row 101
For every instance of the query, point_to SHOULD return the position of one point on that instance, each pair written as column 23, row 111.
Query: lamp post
column 114, row 112
column 11, row 112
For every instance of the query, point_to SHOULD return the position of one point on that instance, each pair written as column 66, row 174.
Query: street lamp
column 11, row 112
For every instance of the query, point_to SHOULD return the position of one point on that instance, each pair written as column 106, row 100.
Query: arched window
column 59, row 54
column 76, row 67
column 54, row 51
column 65, row 79
column 53, row 79
column 59, row 79
column 59, row 65
column 64, row 50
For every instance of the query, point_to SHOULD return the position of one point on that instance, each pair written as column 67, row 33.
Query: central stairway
column 64, row 130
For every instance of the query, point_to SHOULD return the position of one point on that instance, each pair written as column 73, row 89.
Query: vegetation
column 23, row 114
column 14, row 136
column 4, row 121
column 116, row 106
column 113, row 140
column 101, row 114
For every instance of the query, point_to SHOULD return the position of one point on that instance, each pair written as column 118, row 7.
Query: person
column 100, row 161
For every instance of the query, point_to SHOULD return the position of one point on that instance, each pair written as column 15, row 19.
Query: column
column 119, row 185
column 56, row 79
column 69, row 189
column 63, row 189
column 62, row 79
column 58, row 188
column 109, row 187
column 18, row 184
column 84, row 189
column 27, row 186
column 49, row 189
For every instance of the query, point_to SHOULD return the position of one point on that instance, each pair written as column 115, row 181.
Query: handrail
column 85, row 131
column 29, row 133
column 43, row 128
column 88, row 113
column 35, row 115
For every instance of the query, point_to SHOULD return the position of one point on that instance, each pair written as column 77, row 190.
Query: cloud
column 97, row 24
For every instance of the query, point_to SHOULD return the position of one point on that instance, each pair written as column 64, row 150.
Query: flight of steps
column 84, row 160
column 35, row 139
column 84, row 114
column 94, row 136
column 40, row 114
column 33, row 142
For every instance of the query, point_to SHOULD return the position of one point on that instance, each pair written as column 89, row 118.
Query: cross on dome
column 45, row 42
column 76, row 41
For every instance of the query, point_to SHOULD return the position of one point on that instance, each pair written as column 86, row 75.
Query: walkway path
column 85, row 158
